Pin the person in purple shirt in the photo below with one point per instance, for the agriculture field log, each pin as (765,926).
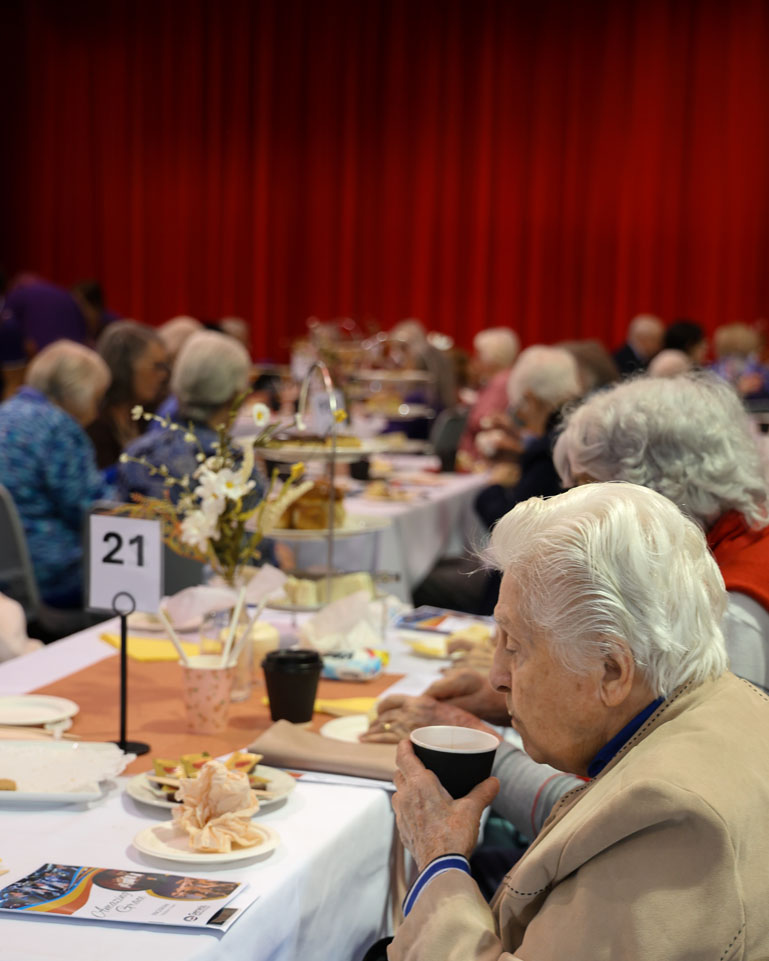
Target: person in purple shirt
(44,313)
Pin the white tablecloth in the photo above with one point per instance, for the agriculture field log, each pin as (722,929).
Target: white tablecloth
(439,522)
(323,893)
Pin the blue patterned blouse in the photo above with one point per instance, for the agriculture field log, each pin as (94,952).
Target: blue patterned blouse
(47,463)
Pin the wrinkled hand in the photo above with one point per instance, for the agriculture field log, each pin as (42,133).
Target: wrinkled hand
(466,652)
(471,691)
(430,822)
(399,715)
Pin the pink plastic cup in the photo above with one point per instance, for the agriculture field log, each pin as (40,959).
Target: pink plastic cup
(207,687)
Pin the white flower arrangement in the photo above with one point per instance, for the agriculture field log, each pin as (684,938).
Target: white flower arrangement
(213,517)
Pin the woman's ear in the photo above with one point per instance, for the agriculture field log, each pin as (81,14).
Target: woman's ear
(619,672)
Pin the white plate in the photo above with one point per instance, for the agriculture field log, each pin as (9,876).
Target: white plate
(58,771)
(27,798)
(346,728)
(281,784)
(352,527)
(166,841)
(19,709)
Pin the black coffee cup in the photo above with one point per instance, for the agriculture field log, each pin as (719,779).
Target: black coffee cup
(460,757)
(292,682)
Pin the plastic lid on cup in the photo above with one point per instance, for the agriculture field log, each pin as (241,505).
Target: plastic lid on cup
(292,661)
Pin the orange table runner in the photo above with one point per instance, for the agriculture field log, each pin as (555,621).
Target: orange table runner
(156,713)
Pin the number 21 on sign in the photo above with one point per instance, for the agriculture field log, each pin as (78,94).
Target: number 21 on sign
(126,560)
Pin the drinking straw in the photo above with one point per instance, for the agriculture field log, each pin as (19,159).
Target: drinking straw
(233,627)
(242,639)
(174,637)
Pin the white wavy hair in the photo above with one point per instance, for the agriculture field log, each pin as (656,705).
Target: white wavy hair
(606,566)
(497,345)
(211,370)
(69,374)
(687,438)
(550,373)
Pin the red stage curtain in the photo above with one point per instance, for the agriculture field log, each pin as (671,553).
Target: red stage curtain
(556,166)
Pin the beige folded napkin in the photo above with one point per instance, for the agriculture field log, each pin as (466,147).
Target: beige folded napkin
(292,746)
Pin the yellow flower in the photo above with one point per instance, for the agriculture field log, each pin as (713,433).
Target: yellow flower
(296,471)
(340,416)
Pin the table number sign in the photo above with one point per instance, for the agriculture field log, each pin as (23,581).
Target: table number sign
(125,569)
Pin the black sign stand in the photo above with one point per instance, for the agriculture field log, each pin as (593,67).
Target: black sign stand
(123,609)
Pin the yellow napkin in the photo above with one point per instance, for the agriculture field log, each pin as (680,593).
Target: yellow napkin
(339,706)
(342,706)
(151,648)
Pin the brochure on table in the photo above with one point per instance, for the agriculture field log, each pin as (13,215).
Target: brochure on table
(125,895)
(438,620)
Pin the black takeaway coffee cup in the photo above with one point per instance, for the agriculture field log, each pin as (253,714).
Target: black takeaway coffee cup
(460,757)
(292,681)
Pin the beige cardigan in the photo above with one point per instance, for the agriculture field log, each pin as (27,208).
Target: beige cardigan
(663,857)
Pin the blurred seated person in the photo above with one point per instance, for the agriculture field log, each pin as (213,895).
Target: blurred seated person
(89,297)
(613,668)
(210,373)
(13,630)
(669,363)
(689,337)
(238,328)
(411,350)
(495,351)
(595,364)
(174,333)
(138,362)
(645,335)
(44,313)
(542,380)
(737,348)
(47,462)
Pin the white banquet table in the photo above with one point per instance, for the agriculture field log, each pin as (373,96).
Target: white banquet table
(322,894)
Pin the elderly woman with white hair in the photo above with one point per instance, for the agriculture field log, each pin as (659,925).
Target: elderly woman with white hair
(48,464)
(612,664)
(210,372)
(541,382)
(495,351)
(689,438)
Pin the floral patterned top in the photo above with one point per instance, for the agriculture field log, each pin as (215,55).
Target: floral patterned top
(47,463)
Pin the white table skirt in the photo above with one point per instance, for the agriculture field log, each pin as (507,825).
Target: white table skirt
(323,891)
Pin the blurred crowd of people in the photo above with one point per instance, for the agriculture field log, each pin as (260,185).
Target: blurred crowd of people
(75,373)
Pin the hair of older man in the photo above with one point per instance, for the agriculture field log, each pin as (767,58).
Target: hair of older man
(687,438)
(174,333)
(211,370)
(69,374)
(549,373)
(497,345)
(121,345)
(609,565)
